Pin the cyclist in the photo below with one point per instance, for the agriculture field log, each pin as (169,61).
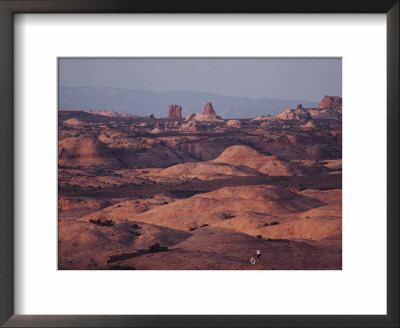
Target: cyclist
(258,254)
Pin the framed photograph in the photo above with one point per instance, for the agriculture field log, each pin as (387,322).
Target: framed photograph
(152,185)
(204,164)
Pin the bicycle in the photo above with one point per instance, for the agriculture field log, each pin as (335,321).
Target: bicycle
(255,260)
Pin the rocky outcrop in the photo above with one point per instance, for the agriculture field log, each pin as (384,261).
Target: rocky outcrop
(191,126)
(209,115)
(201,117)
(292,114)
(234,124)
(74,121)
(155,131)
(190,116)
(299,106)
(174,111)
(310,125)
(309,113)
(209,109)
(331,102)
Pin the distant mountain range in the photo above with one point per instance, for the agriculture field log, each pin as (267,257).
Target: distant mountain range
(144,103)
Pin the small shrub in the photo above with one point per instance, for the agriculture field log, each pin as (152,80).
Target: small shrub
(157,248)
(204,225)
(105,223)
(165,203)
(135,226)
(259,236)
(274,223)
(265,224)
(192,228)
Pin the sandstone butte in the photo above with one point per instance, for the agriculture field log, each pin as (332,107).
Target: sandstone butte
(174,111)
(209,109)
(331,102)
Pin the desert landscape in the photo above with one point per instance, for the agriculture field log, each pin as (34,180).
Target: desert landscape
(200,192)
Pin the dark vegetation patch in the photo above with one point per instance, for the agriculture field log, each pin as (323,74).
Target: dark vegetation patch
(186,193)
(105,223)
(266,224)
(155,248)
(204,225)
(279,240)
(192,228)
(228,216)
(136,226)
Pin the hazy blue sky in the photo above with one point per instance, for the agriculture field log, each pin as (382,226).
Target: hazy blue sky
(305,79)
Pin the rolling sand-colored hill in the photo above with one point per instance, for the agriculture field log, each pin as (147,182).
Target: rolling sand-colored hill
(89,245)
(123,210)
(207,171)
(226,203)
(311,228)
(219,249)
(85,150)
(327,196)
(246,156)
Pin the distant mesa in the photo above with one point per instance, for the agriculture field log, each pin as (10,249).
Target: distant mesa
(175,111)
(209,109)
(331,102)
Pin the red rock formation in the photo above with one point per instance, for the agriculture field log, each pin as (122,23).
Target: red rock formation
(330,102)
(174,111)
(208,109)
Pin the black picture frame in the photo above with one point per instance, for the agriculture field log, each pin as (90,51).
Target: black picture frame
(10,7)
